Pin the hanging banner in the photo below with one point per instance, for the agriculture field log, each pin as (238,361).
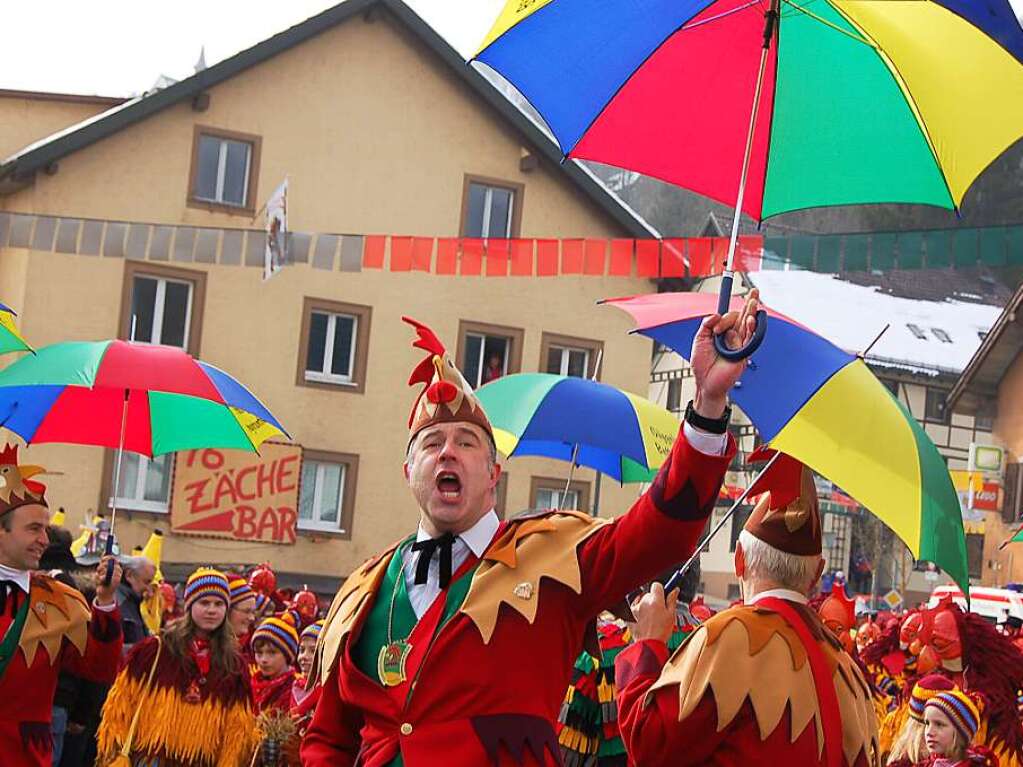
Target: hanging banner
(236,494)
(276,231)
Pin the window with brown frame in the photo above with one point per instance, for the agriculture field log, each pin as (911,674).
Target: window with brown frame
(162,305)
(549,493)
(487,352)
(491,207)
(569,356)
(326,492)
(224,170)
(334,345)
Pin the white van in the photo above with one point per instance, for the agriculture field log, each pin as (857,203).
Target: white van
(993,604)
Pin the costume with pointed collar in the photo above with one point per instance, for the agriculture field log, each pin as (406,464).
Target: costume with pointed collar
(46,631)
(741,691)
(527,602)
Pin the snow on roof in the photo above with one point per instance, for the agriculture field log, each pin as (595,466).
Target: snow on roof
(925,336)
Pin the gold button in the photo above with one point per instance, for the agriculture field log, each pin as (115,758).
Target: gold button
(406,729)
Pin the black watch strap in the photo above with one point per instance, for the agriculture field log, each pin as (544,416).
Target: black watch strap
(711,425)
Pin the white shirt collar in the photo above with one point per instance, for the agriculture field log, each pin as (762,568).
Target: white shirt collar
(477,537)
(786,594)
(21,577)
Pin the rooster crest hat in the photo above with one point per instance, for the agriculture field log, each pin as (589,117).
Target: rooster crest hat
(16,487)
(448,397)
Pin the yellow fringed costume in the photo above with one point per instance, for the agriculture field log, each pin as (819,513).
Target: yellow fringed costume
(183,720)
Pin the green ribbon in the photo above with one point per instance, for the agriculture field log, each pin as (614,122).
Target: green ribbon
(13,636)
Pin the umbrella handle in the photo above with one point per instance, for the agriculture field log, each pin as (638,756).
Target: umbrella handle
(735,355)
(110,565)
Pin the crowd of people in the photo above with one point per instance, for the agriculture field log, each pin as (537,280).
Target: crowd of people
(544,639)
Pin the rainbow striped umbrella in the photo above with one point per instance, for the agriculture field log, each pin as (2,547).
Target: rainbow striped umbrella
(860,101)
(823,406)
(80,392)
(619,434)
(11,339)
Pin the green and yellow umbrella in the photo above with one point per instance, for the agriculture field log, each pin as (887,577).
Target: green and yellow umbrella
(11,339)
(622,435)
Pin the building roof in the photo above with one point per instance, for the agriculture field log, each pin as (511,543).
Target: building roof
(929,337)
(70,98)
(17,171)
(979,382)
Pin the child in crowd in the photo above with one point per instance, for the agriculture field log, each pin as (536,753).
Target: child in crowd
(274,645)
(951,720)
(305,693)
(910,747)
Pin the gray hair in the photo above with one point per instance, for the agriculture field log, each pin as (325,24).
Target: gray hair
(135,564)
(765,562)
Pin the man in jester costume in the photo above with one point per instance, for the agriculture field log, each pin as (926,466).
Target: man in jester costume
(764,682)
(45,626)
(455,646)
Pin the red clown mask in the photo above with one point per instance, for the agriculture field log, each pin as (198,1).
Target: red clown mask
(946,640)
(838,613)
(910,633)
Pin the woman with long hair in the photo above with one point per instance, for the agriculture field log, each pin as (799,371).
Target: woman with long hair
(182,699)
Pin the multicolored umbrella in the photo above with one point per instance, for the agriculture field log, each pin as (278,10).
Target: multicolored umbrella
(619,434)
(822,405)
(862,101)
(772,106)
(78,392)
(11,339)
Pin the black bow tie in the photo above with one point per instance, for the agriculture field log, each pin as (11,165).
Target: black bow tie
(426,550)
(11,589)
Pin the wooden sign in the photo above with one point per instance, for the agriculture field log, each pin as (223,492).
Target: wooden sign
(236,494)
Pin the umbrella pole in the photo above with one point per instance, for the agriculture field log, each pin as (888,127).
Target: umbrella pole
(117,486)
(676,579)
(728,275)
(571,471)
(596,494)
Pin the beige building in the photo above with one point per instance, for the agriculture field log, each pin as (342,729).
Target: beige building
(991,387)
(935,325)
(145,214)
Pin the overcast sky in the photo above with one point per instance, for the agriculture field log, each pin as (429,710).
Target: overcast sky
(119,47)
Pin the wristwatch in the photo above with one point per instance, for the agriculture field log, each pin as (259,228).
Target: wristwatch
(711,425)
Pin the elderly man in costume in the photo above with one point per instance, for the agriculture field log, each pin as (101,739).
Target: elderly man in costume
(455,646)
(762,683)
(46,626)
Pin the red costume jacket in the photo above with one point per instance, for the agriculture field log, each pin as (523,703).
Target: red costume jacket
(60,633)
(740,692)
(485,680)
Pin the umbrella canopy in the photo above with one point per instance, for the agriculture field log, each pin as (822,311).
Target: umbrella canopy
(75,393)
(619,434)
(862,101)
(11,339)
(823,406)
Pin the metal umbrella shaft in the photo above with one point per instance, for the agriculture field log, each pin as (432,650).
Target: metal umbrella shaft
(117,487)
(727,277)
(676,579)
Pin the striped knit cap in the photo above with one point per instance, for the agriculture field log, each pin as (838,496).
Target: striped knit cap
(960,710)
(206,582)
(924,690)
(313,630)
(240,591)
(281,633)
